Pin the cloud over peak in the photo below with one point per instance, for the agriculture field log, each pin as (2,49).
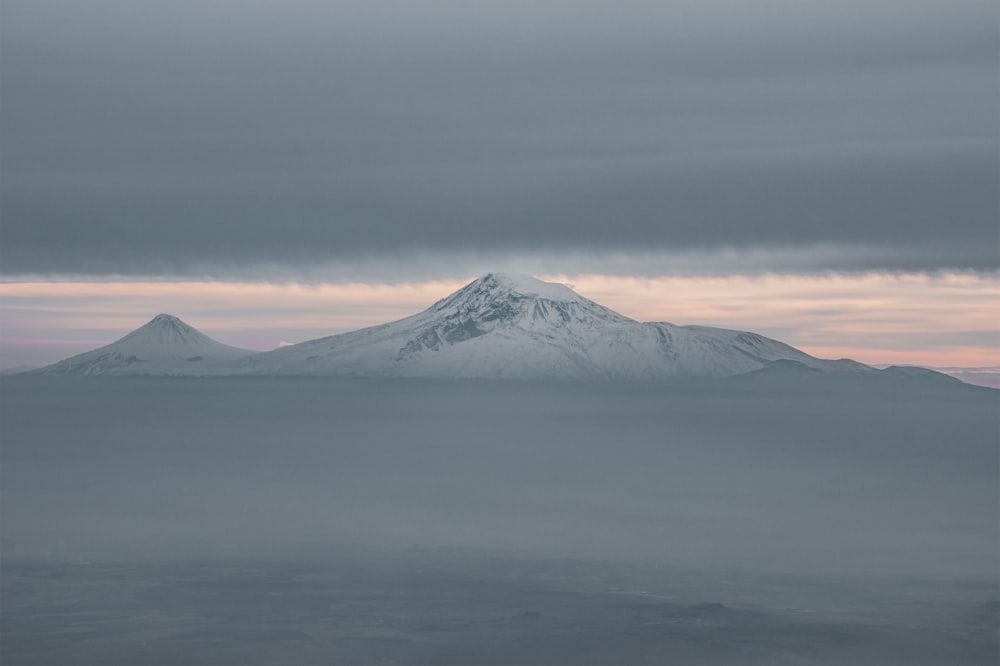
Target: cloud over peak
(164,138)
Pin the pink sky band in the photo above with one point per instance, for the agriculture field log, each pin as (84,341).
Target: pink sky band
(941,320)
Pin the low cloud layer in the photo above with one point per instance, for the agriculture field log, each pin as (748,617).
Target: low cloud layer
(222,139)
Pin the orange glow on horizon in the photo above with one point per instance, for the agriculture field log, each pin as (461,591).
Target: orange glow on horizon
(942,320)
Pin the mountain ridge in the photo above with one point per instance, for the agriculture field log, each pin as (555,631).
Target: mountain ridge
(499,326)
(517,327)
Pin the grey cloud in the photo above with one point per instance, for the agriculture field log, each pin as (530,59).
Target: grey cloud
(174,139)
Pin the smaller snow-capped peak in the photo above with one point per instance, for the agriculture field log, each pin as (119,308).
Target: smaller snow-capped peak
(164,345)
(164,319)
(165,329)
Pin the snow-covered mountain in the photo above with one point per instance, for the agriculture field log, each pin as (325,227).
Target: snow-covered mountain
(164,346)
(518,327)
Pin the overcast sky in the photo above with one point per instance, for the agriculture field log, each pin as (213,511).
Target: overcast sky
(261,144)
(312,139)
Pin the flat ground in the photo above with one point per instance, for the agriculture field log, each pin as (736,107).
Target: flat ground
(365,606)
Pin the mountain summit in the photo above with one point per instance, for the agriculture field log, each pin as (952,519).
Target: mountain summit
(500,326)
(518,327)
(164,346)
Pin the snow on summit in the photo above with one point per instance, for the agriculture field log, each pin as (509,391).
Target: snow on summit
(518,327)
(499,326)
(164,346)
(526,285)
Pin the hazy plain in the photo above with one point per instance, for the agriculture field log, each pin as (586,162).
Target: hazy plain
(261,520)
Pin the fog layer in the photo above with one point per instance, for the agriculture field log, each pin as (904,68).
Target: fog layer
(856,478)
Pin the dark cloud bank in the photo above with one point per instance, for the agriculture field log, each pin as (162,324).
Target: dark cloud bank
(187,138)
